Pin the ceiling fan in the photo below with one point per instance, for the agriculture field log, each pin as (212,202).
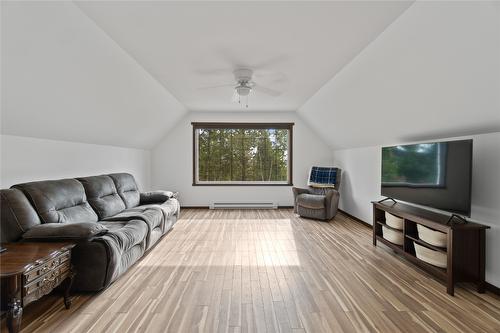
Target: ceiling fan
(245,86)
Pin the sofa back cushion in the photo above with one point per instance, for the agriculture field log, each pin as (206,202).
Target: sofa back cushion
(102,195)
(59,201)
(127,188)
(16,215)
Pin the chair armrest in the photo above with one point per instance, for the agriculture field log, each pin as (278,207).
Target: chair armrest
(65,231)
(296,191)
(152,197)
(332,197)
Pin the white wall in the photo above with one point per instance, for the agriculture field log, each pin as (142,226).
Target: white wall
(433,73)
(64,78)
(172,161)
(26,159)
(361,185)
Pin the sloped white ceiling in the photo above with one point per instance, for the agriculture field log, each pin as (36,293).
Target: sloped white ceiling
(434,73)
(63,78)
(295,46)
(107,72)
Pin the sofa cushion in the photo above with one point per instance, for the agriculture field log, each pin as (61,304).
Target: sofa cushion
(125,244)
(123,235)
(59,201)
(152,216)
(74,231)
(102,195)
(127,188)
(312,201)
(169,207)
(155,236)
(16,215)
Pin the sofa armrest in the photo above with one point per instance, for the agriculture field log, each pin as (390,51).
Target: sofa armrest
(65,231)
(153,197)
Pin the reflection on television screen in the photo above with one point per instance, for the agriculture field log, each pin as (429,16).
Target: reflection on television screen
(420,165)
(436,174)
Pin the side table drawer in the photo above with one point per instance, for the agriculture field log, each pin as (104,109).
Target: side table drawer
(46,283)
(31,270)
(45,267)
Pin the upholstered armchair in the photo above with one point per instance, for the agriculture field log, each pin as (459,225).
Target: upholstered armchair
(321,199)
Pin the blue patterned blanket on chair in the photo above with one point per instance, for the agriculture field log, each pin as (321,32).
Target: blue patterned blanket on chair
(322,177)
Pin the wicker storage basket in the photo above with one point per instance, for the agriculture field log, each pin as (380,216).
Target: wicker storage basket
(393,221)
(392,236)
(430,236)
(430,256)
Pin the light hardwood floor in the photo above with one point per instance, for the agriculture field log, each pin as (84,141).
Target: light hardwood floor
(269,271)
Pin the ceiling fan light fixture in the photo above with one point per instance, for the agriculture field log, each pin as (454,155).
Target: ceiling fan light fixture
(245,86)
(243,90)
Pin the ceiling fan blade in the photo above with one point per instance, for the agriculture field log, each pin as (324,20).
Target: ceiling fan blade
(271,62)
(267,91)
(271,77)
(217,86)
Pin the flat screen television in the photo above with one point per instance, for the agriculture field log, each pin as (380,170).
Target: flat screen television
(435,174)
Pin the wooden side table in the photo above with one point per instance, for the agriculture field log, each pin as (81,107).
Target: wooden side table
(28,272)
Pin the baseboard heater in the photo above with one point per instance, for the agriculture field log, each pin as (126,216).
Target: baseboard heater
(243,205)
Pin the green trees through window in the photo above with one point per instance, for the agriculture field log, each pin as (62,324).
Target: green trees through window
(242,153)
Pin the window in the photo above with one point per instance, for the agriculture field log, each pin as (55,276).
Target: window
(242,153)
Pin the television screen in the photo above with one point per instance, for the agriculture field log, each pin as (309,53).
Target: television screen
(436,174)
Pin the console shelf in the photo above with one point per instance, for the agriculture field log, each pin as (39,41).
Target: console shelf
(389,227)
(465,251)
(430,246)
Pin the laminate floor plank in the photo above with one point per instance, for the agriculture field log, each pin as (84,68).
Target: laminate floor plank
(269,271)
